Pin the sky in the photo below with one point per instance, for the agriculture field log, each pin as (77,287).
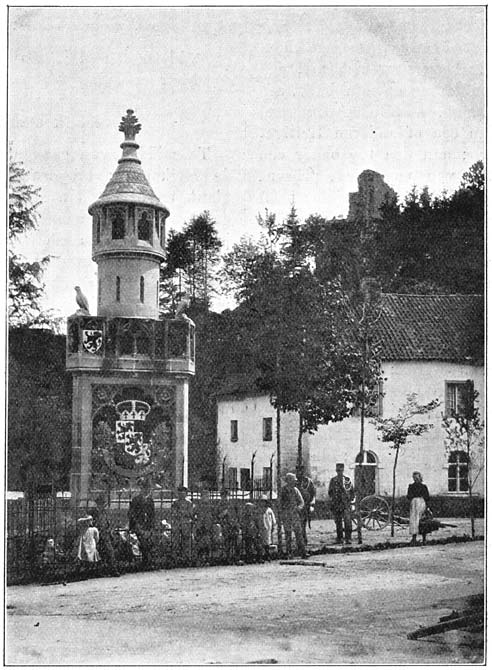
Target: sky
(242,109)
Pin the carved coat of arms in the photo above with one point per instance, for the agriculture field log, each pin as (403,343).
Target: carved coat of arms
(132,414)
(92,340)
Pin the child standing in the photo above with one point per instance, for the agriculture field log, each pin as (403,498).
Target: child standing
(268,526)
(89,537)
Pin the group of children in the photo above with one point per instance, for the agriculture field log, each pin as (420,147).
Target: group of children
(207,531)
(222,529)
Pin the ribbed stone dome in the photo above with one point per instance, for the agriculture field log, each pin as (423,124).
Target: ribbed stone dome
(129,183)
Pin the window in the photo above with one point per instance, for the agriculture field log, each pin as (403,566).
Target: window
(366,474)
(232,479)
(367,458)
(98,228)
(163,231)
(131,217)
(458,395)
(245,479)
(142,289)
(234,430)
(267,478)
(458,472)
(118,289)
(117,224)
(144,227)
(267,430)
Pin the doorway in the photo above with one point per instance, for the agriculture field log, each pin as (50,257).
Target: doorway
(365,476)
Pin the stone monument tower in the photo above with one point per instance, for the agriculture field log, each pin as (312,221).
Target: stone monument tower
(130,368)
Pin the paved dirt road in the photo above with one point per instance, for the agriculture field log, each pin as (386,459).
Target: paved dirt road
(357,608)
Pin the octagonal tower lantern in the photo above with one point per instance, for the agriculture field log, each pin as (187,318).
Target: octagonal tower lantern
(130,368)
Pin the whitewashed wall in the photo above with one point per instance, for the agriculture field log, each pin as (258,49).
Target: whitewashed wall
(249,413)
(339,442)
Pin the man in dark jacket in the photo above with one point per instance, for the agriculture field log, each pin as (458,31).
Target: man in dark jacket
(182,517)
(308,491)
(341,494)
(291,506)
(141,518)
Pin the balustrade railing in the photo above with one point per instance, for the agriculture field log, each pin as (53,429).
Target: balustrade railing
(110,339)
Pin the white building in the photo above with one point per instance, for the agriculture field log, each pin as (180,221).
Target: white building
(431,345)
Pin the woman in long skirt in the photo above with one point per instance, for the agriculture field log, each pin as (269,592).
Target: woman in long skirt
(418,494)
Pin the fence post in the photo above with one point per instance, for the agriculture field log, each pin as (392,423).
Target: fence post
(252,474)
(30,529)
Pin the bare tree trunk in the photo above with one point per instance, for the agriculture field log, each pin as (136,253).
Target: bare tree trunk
(299,443)
(358,492)
(392,509)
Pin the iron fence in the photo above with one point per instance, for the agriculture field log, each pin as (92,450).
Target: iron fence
(43,535)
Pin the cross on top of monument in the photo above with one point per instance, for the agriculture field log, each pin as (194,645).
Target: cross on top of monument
(129,125)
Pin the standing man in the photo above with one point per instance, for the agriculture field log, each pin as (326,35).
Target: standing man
(105,527)
(205,527)
(308,492)
(291,506)
(181,523)
(228,518)
(141,517)
(341,494)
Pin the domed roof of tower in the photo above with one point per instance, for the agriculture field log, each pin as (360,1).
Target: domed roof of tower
(129,183)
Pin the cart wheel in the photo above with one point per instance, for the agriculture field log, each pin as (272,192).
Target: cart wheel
(374,512)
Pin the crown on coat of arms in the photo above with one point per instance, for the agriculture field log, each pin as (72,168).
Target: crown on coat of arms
(132,410)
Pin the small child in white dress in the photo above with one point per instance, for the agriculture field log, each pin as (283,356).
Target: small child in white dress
(268,527)
(88,539)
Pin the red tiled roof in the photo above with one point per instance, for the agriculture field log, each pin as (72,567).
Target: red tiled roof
(431,327)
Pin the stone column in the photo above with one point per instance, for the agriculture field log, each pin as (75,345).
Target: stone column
(181,464)
(76,440)
(81,440)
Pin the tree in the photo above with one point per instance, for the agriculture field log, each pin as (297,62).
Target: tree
(26,287)
(192,260)
(335,246)
(241,264)
(172,283)
(366,376)
(423,244)
(293,246)
(205,246)
(464,433)
(293,327)
(397,430)
(431,244)
(40,414)
(474,178)
(238,263)
(300,352)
